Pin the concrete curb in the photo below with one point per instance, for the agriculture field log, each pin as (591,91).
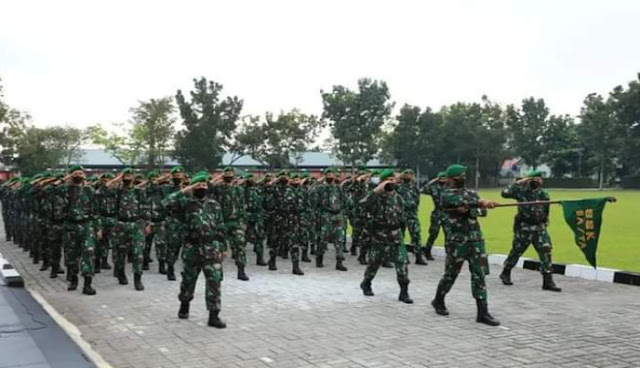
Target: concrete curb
(10,275)
(571,270)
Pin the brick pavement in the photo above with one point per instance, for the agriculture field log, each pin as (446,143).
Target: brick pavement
(322,320)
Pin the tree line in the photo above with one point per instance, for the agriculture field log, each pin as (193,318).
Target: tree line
(199,127)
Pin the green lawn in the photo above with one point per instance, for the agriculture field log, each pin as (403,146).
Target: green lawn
(619,245)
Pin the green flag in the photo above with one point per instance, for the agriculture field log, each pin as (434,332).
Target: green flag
(585,218)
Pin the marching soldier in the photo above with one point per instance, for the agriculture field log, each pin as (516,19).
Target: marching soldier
(255,217)
(411,195)
(330,203)
(174,223)
(434,188)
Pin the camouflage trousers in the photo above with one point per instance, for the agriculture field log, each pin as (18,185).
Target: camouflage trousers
(158,237)
(304,231)
(128,237)
(413,225)
(474,253)
(208,259)
(104,244)
(174,237)
(282,227)
(235,231)
(541,243)
(79,248)
(54,238)
(40,235)
(255,232)
(357,226)
(434,228)
(387,245)
(331,231)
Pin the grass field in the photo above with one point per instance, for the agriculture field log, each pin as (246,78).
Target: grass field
(619,245)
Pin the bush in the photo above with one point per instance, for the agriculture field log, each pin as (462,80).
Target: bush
(632,182)
(570,183)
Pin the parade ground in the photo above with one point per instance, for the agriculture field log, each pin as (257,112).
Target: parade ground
(323,320)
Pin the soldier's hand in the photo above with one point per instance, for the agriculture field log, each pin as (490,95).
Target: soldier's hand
(147,229)
(462,209)
(523,181)
(488,203)
(188,189)
(380,188)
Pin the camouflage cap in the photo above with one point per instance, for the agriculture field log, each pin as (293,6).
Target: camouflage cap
(455,170)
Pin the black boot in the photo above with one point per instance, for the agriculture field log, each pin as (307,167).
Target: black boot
(36,257)
(505,276)
(87,289)
(319,258)
(183,313)
(73,283)
(272,262)
(410,249)
(548,283)
(427,252)
(296,269)
(260,259)
(145,264)
(54,271)
(45,265)
(404,293)
(161,269)
(362,259)
(215,321)
(387,264)
(438,303)
(241,275)
(340,266)
(312,249)
(419,259)
(137,281)
(305,256)
(96,265)
(483,314)
(366,288)
(105,263)
(354,250)
(122,277)
(171,276)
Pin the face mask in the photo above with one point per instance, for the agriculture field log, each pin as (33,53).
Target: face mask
(126,182)
(390,187)
(78,179)
(406,180)
(375,180)
(284,180)
(227,179)
(459,183)
(249,183)
(329,180)
(534,184)
(441,182)
(200,193)
(177,181)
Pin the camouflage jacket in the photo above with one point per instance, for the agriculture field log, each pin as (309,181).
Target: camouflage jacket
(461,227)
(253,199)
(129,203)
(530,217)
(105,201)
(411,196)
(79,203)
(231,199)
(284,199)
(329,198)
(203,219)
(55,203)
(435,190)
(153,209)
(386,210)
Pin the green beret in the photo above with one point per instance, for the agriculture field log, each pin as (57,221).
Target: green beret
(375,172)
(152,174)
(329,170)
(304,174)
(283,172)
(199,179)
(58,175)
(202,172)
(107,175)
(455,170)
(442,174)
(293,176)
(139,176)
(36,177)
(247,176)
(92,178)
(127,170)
(407,171)
(535,174)
(14,179)
(177,169)
(74,168)
(386,174)
(228,168)
(47,174)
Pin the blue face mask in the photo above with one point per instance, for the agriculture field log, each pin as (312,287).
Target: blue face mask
(375,180)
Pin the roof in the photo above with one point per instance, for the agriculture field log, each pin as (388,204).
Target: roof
(102,158)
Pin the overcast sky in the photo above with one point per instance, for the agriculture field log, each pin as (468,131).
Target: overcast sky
(81,63)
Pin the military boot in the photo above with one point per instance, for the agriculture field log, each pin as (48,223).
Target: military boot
(419,259)
(272,262)
(296,269)
(105,263)
(404,293)
(427,252)
(312,249)
(171,276)
(362,259)
(87,289)
(260,259)
(319,258)
(183,312)
(36,257)
(305,256)
(45,265)
(366,287)
(241,274)
(438,303)
(340,266)
(354,249)
(145,264)
(505,276)
(73,283)
(161,268)
(122,277)
(96,265)
(54,271)
(548,283)
(137,281)
(215,321)
(483,314)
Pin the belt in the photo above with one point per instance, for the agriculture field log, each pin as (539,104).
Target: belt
(122,219)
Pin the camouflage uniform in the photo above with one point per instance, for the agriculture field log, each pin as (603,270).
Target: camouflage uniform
(255,221)
(411,196)
(105,202)
(204,245)
(330,203)
(55,207)
(464,241)
(231,199)
(128,233)
(282,201)
(79,231)
(155,214)
(435,190)
(174,231)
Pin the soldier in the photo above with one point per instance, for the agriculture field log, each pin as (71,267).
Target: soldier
(155,214)
(106,207)
(79,236)
(434,188)
(129,231)
(174,223)
(231,199)
(464,242)
(354,190)
(255,217)
(387,209)
(411,195)
(530,227)
(330,203)
(55,206)
(6,192)
(306,216)
(204,248)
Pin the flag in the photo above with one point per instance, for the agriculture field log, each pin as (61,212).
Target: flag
(585,219)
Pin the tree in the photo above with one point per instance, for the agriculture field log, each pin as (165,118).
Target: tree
(152,122)
(626,109)
(128,149)
(209,123)
(526,127)
(13,124)
(596,133)
(490,141)
(357,119)
(39,149)
(277,141)
(563,153)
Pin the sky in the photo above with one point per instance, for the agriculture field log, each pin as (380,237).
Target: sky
(80,63)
